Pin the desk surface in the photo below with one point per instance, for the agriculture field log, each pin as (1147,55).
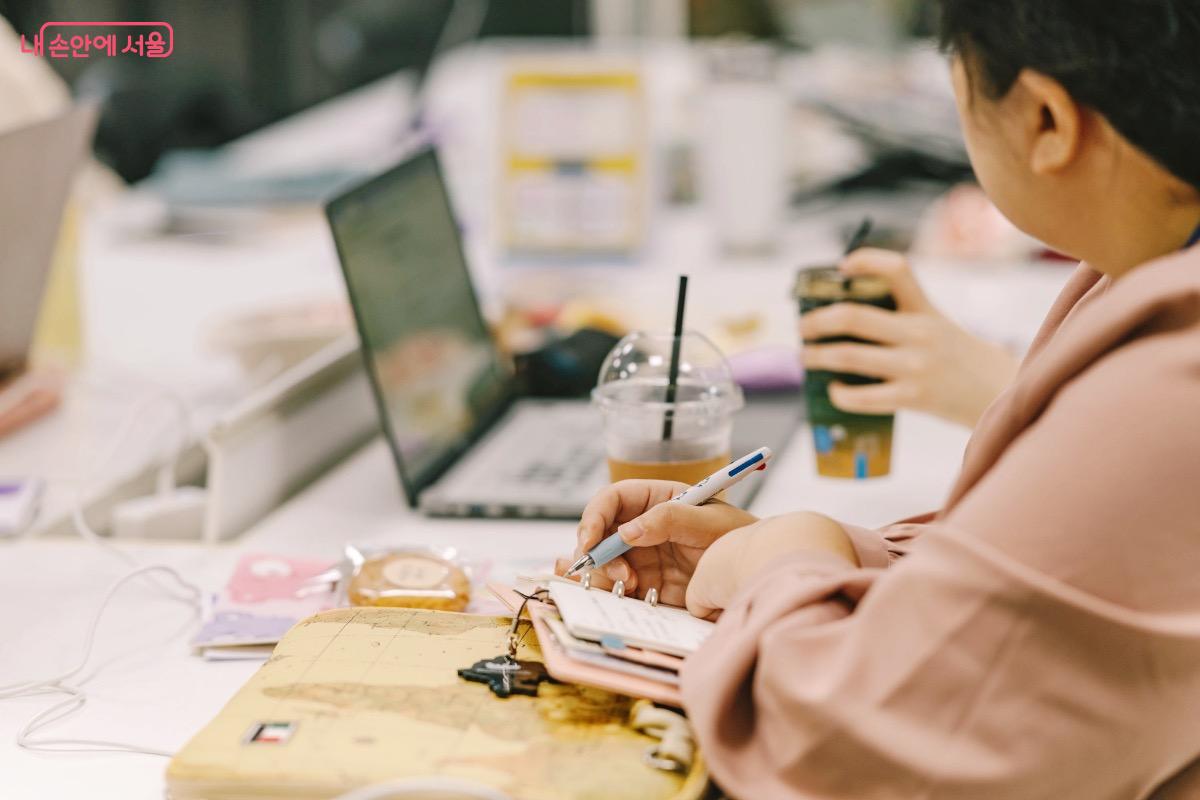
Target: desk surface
(149,690)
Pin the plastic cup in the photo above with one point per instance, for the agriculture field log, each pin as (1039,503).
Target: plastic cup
(632,395)
(847,445)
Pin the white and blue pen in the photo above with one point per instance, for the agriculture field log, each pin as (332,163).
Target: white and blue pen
(702,492)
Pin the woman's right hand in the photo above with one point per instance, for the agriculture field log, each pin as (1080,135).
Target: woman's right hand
(667,538)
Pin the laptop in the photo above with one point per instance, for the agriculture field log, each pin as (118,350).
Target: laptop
(464,442)
(37,165)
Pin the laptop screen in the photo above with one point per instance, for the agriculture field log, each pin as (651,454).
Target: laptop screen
(438,378)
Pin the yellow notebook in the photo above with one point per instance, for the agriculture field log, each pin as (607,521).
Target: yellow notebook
(354,697)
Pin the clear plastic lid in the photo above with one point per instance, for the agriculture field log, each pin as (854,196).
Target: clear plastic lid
(636,376)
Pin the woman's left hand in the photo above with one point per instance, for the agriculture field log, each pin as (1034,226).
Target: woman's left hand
(925,361)
(735,559)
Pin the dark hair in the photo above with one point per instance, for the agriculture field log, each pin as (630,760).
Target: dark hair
(1136,62)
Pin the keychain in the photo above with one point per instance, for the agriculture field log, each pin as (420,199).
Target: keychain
(504,674)
(676,748)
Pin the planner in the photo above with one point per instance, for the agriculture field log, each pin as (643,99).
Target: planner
(362,696)
(595,638)
(600,616)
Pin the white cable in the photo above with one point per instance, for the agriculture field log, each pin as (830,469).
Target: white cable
(166,475)
(168,459)
(67,707)
(183,412)
(192,595)
(76,696)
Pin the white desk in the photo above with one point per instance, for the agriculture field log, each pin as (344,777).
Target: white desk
(148,689)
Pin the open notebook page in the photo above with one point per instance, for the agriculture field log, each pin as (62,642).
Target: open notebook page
(593,614)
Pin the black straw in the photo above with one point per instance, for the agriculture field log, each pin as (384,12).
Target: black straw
(857,240)
(673,376)
(859,237)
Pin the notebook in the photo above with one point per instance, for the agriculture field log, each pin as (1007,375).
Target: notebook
(595,638)
(572,660)
(266,595)
(601,616)
(361,696)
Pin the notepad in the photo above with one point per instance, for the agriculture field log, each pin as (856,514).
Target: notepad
(594,615)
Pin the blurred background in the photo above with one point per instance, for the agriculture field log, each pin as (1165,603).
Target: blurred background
(594,150)
(240,65)
(179,361)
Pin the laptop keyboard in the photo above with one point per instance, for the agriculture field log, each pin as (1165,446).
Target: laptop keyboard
(543,449)
(569,467)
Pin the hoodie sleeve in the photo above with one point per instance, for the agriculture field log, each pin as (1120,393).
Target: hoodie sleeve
(1038,641)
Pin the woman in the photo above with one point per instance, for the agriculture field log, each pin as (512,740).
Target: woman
(1039,636)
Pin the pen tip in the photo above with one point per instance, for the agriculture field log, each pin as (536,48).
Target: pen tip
(578,565)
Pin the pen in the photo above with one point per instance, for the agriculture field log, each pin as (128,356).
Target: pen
(702,492)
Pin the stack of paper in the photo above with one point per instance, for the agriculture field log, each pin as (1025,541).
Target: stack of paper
(264,598)
(623,644)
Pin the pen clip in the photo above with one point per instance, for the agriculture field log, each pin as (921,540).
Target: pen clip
(699,485)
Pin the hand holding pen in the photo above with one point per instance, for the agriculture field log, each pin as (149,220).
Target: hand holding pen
(667,538)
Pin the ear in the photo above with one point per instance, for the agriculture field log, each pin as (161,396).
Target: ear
(1055,122)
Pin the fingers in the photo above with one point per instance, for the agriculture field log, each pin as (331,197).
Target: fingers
(875,398)
(698,607)
(858,320)
(858,359)
(895,268)
(600,514)
(606,576)
(617,570)
(693,526)
(699,599)
(618,503)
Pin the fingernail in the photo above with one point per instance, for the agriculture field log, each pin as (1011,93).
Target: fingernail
(631,531)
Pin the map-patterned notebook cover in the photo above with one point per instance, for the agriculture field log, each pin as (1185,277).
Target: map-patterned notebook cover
(359,696)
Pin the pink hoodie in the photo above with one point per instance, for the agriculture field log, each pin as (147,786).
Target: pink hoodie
(1039,637)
